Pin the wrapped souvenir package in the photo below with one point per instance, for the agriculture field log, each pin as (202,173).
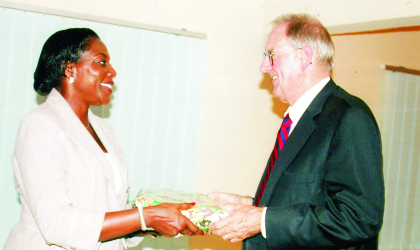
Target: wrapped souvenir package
(202,214)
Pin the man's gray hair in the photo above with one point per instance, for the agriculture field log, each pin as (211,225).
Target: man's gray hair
(306,30)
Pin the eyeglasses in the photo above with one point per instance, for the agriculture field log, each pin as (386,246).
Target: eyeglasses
(269,53)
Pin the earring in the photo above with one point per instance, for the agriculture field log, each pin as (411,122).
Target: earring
(71,80)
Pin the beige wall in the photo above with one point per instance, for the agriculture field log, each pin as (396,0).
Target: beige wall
(240,116)
(359,57)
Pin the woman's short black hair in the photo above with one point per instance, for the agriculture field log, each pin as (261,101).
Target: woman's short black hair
(62,47)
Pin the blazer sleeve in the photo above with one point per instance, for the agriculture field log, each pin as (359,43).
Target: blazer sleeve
(41,166)
(353,204)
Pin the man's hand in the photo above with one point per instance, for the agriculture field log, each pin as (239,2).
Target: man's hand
(230,198)
(167,219)
(244,221)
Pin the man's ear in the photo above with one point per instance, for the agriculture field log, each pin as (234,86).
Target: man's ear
(306,57)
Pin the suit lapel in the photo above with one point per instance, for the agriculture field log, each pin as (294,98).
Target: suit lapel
(292,147)
(297,140)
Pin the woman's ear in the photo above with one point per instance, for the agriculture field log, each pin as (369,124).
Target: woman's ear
(67,79)
(68,71)
(306,57)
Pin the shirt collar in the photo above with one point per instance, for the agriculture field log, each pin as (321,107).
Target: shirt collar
(296,111)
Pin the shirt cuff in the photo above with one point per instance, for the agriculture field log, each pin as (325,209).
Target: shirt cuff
(263,232)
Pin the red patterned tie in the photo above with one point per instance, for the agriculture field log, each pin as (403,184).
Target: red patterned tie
(281,139)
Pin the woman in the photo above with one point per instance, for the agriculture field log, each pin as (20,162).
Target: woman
(70,172)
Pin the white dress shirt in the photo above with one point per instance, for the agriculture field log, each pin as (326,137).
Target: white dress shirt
(295,113)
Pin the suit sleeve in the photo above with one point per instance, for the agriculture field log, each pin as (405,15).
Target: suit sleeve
(41,169)
(352,208)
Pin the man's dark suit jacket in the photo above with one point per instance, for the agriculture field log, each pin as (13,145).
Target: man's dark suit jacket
(326,190)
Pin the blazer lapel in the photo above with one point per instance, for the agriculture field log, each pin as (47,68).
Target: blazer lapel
(79,134)
(110,143)
(297,140)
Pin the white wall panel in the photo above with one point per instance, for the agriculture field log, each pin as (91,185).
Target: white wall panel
(401,149)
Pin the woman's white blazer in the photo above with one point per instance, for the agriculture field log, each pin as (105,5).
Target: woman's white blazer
(64,181)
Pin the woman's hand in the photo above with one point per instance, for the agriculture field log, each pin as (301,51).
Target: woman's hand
(166,219)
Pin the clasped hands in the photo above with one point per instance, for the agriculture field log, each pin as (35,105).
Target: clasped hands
(244,220)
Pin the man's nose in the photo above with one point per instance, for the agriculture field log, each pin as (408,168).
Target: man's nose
(265,65)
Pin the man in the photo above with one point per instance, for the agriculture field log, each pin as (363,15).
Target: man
(323,186)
